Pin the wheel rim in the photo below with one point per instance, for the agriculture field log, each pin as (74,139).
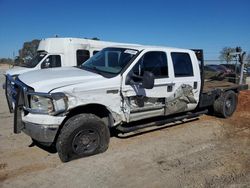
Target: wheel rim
(229,105)
(85,141)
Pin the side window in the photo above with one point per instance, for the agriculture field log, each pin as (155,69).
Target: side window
(81,56)
(52,61)
(182,64)
(94,52)
(155,62)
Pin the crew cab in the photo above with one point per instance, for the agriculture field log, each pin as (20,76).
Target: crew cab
(74,108)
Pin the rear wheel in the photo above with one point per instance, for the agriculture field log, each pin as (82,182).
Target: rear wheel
(226,104)
(82,135)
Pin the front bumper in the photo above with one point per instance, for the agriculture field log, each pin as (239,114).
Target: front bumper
(42,128)
(42,133)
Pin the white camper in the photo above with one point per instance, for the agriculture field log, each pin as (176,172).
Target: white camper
(61,52)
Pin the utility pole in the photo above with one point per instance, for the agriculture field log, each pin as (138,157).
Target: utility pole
(240,56)
(241,60)
(13,59)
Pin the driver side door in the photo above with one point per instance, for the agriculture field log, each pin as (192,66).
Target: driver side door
(138,102)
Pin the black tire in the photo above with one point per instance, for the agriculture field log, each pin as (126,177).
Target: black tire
(82,135)
(226,104)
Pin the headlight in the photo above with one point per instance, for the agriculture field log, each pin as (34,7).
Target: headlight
(50,104)
(41,104)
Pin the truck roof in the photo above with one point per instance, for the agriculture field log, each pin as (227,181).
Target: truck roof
(149,47)
(80,40)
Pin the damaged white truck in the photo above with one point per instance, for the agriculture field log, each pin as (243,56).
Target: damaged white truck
(75,108)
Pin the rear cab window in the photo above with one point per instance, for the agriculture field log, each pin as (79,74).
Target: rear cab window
(182,64)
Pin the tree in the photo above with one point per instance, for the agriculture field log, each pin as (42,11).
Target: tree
(29,50)
(225,54)
(6,61)
(18,61)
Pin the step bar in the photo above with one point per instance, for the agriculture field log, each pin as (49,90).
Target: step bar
(124,128)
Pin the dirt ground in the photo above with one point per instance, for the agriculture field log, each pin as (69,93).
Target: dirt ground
(208,152)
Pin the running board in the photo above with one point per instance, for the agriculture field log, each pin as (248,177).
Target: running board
(125,129)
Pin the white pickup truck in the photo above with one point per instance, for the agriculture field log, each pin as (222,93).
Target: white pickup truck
(74,108)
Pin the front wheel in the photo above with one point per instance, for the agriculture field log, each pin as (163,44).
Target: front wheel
(226,104)
(82,135)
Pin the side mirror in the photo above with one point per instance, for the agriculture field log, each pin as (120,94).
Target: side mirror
(148,80)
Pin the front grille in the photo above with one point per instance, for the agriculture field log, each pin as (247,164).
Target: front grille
(11,93)
(17,97)
(17,93)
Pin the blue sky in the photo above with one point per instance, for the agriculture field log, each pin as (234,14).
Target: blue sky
(210,25)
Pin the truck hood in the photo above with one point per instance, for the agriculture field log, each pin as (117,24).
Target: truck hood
(48,79)
(18,70)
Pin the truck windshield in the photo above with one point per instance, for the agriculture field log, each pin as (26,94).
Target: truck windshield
(109,60)
(35,60)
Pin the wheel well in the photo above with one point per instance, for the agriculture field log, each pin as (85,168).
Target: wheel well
(96,109)
(223,92)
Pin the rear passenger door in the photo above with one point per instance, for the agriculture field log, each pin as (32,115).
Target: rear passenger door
(186,79)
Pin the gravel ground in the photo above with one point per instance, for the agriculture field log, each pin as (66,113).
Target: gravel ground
(207,152)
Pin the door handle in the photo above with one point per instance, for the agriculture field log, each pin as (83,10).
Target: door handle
(195,85)
(165,84)
(170,87)
(170,84)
